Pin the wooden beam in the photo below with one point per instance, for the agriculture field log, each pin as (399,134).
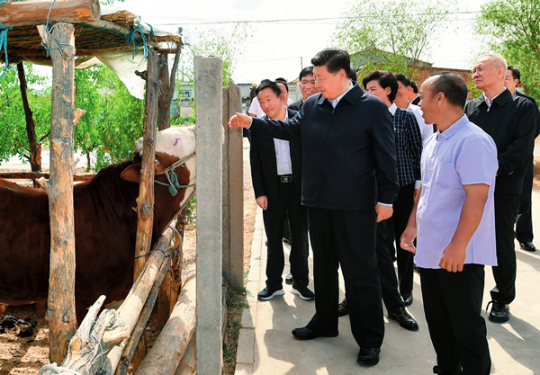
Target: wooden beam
(61,302)
(35,175)
(35,12)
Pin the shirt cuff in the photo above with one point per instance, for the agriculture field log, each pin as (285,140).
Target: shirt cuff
(385,204)
(417,184)
(250,123)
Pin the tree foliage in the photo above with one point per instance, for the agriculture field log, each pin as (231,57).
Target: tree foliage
(513,29)
(394,35)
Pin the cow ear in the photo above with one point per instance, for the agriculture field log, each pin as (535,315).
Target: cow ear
(132,173)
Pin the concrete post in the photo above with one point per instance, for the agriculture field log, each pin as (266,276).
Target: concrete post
(236,193)
(225,175)
(208,82)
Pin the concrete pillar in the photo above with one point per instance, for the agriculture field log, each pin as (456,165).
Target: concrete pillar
(208,91)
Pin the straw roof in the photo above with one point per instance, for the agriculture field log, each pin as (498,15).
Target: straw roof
(90,38)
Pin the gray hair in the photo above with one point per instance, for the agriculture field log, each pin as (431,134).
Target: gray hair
(498,59)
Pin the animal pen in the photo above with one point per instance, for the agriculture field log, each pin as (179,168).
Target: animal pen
(65,34)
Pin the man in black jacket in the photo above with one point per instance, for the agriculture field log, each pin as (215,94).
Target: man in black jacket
(349,181)
(524,226)
(511,121)
(307,87)
(276,167)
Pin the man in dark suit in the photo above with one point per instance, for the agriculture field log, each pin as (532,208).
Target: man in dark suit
(511,121)
(349,181)
(524,226)
(414,98)
(307,87)
(276,167)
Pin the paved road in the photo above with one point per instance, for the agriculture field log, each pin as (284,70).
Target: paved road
(266,346)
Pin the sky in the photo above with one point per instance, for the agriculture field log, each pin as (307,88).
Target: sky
(280,49)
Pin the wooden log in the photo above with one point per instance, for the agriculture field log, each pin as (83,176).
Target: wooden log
(137,297)
(138,331)
(168,85)
(145,201)
(164,301)
(35,12)
(35,175)
(172,342)
(187,364)
(61,302)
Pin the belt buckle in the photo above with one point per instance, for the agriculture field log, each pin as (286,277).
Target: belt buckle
(286,179)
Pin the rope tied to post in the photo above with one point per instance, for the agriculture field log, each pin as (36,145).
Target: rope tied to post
(3,43)
(48,30)
(131,39)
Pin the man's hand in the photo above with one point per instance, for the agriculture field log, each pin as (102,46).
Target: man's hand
(453,258)
(383,212)
(407,239)
(262,201)
(240,121)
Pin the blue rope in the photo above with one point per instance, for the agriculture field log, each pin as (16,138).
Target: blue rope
(131,39)
(3,44)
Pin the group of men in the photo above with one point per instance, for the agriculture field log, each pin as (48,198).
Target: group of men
(330,160)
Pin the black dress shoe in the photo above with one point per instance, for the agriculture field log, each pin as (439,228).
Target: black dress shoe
(267,294)
(404,319)
(407,300)
(289,279)
(368,356)
(305,333)
(342,308)
(527,246)
(500,312)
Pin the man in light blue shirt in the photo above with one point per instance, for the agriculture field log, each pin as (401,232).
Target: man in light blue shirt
(454,221)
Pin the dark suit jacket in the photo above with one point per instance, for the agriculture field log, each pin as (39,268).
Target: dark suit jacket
(343,150)
(416,100)
(511,122)
(263,162)
(518,93)
(296,106)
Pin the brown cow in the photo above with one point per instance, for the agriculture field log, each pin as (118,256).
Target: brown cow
(105,227)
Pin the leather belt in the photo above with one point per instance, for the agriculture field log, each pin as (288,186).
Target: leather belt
(286,179)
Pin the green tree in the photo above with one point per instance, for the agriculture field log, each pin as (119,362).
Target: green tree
(512,28)
(394,35)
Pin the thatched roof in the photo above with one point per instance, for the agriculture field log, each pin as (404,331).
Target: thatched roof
(109,33)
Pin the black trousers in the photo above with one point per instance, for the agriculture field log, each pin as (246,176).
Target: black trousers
(387,274)
(524,226)
(506,209)
(453,304)
(274,219)
(396,226)
(346,238)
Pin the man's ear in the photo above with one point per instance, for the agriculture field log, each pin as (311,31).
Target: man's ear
(132,173)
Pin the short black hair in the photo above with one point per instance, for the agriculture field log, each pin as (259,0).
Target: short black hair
(265,84)
(414,87)
(385,79)
(515,73)
(335,59)
(352,74)
(451,85)
(284,81)
(403,79)
(305,72)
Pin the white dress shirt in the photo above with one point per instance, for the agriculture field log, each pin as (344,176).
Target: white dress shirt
(283,153)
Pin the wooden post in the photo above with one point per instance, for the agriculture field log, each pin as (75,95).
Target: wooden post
(36,12)
(235,193)
(168,85)
(208,82)
(61,302)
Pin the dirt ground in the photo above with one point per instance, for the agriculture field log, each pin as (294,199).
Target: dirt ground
(25,356)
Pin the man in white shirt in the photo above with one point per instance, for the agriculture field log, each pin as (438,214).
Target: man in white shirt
(402,101)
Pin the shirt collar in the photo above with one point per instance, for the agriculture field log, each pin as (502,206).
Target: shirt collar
(490,102)
(393,109)
(336,100)
(454,128)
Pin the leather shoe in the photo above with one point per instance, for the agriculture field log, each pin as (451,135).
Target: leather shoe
(407,301)
(527,246)
(500,312)
(404,319)
(305,333)
(289,279)
(368,356)
(342,308)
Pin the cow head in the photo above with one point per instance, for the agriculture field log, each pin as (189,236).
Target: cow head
(172,145)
